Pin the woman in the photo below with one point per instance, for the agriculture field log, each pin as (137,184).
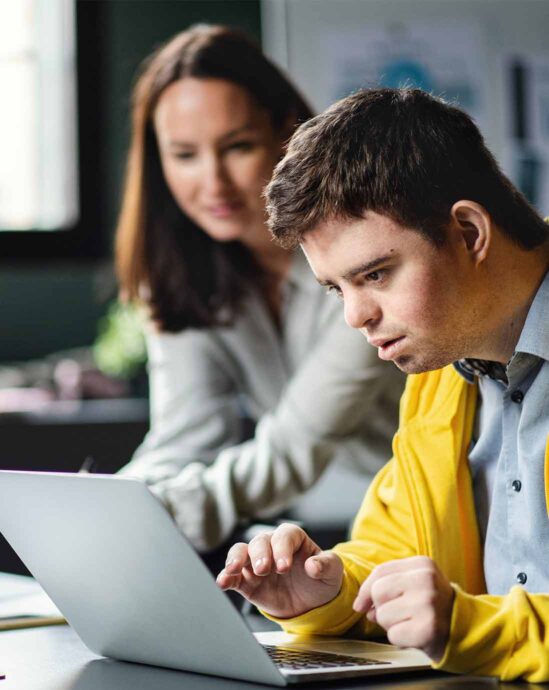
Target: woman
(239,329)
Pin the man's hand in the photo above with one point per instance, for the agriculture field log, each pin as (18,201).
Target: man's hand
(283,572)
(412,600)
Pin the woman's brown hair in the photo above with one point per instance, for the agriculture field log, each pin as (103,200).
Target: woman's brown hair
(186,278)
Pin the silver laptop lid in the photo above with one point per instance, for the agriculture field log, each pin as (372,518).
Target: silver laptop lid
(129,583)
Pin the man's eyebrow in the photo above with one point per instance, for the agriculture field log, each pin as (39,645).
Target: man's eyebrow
(367,267)
(363,268)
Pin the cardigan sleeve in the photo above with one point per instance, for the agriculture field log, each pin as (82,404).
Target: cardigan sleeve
(504,636)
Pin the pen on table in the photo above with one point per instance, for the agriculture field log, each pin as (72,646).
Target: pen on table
(88,466)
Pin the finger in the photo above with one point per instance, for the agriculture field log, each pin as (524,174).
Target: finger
(286,541)
(260,553)
(394,612)
(379,588)
(403,634)
(237,558)
(402,565)
(364,600)
(245,582)
(420,585)
(423,629)
(227,581)
(326,566)
(414,632)
(389,587)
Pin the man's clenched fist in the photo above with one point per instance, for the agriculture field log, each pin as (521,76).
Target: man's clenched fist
(412,600)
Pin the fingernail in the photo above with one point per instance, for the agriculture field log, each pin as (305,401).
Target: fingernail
(319,564)
(229,562)
(281,564)
(259,563)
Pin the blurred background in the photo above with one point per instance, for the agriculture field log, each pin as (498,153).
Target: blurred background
(72,360)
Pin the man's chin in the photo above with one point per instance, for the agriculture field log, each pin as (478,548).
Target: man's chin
(413,365)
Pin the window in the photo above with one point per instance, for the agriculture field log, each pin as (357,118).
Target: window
(38,166)
(50,165)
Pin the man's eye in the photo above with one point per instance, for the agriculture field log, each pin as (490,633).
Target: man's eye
(376,276)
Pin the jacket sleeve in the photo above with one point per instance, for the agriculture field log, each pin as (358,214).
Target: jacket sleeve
(504,636)
(210,481)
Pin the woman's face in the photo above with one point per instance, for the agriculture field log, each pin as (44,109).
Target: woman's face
(218,149)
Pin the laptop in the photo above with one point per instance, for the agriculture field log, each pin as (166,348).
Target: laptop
(109,555)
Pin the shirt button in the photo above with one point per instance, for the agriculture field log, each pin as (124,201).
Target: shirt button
(517,396)
(521,578)
(517,485)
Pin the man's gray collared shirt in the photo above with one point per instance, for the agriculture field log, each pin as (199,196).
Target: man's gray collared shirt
(508,459)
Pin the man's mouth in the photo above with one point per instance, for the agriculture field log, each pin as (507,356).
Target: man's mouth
(387,348)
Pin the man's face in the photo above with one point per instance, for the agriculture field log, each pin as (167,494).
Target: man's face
(412,300)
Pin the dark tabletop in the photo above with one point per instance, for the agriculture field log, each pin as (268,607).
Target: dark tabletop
(54,658)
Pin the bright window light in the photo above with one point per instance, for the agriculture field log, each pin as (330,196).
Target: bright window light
(38,132)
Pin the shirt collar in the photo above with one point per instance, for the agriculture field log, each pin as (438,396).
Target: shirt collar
(534,338)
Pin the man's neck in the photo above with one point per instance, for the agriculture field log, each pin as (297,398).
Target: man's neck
(518,278)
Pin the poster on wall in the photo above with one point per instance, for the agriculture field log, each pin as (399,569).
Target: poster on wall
(441,57)
(526,158)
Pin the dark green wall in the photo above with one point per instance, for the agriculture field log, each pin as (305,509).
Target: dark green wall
(47,308)
(51,306)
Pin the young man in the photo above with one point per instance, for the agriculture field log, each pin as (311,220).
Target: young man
(442,264)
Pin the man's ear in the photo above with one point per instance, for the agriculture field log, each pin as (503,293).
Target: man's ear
(475,227)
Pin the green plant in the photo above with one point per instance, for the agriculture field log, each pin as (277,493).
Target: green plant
(119,349)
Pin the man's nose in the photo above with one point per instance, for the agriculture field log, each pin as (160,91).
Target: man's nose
(360,310)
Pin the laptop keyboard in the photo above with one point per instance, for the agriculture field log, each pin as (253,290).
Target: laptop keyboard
(298,660)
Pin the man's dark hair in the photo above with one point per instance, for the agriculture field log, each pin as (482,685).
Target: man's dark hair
(398,152)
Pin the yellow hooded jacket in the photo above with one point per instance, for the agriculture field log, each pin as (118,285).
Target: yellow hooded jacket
(422,503)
